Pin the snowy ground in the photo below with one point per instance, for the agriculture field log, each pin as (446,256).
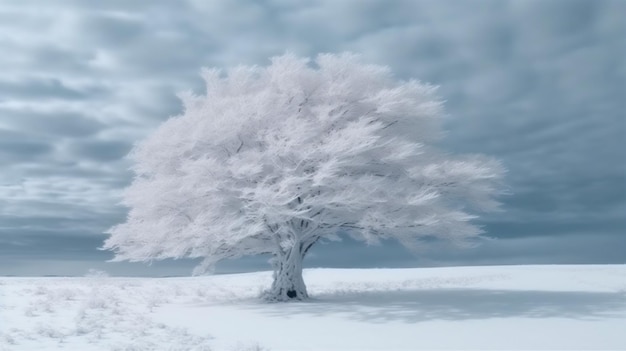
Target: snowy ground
(507,307)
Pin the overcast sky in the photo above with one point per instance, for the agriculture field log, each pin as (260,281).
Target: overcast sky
(540,85)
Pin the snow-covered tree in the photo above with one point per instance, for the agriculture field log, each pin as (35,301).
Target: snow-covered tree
(271,160)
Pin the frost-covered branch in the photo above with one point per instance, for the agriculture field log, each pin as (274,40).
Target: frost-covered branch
(273,159)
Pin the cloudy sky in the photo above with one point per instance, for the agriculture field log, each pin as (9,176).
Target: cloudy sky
(539,84)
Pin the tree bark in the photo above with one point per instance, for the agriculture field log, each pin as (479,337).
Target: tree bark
(288,284)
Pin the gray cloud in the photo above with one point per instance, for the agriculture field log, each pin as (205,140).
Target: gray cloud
(23,148)
(59,124)
(46,88)
(15,148)
(102,151)
(538,84)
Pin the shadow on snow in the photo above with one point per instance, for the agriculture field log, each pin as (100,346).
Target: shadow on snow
(455,304)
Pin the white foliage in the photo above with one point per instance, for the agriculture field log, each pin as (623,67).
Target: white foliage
(272,159)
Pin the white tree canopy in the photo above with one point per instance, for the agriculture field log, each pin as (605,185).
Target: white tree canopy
(271,159)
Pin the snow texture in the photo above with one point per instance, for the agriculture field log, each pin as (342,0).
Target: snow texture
(463,308)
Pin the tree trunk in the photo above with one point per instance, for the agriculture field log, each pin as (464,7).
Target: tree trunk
(288,284)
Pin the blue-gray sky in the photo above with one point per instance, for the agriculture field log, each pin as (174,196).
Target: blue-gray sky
(539,84)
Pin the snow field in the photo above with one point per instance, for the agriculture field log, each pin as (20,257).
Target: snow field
(500,307)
